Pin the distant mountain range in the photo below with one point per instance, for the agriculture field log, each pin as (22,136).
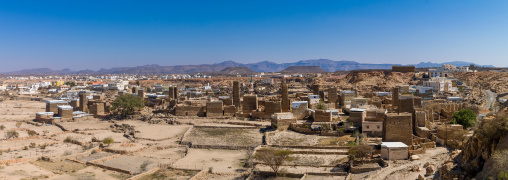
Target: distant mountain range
(264,66)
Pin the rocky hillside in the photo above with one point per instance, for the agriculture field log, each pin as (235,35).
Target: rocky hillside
(375,80)
(485,154)
(495,81)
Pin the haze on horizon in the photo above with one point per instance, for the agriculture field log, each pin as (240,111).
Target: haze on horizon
(102,34)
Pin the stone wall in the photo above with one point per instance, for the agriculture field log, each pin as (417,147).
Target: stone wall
(406,105)
(398,128)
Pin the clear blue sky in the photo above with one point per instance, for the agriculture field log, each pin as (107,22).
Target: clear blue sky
(102,34)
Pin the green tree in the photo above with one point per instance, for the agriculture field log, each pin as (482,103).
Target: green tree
(108,141)
(127,104)
(465,117)
(359,151)
(274,158)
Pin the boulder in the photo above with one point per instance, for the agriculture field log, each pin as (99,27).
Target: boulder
(430,170)
(414,157)
(420,177)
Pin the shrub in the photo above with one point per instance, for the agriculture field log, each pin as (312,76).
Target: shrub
(2,127)
(18,124)
(359,151)
(11,134)
(32,133)
(108,141)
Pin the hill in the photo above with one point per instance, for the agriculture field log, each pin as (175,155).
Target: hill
(237,70)
(303,69)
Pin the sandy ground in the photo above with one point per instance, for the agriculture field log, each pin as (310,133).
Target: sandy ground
(82,138)
(11,110)
(86,125)
(156,131)
(128,147)
(101,134)
(4,145)
(172,174)
(23,170)
(226,161)
(225,136)
(91,172)
(132,163)
(170,154)
(52,151)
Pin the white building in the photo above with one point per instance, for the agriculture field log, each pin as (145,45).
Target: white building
(394,151)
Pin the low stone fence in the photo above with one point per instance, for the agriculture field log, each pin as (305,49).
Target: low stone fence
(313,152)
(227,127)
(185,135)
(201,146)
(110,168)
(200,175)
(144,173)
(311,147)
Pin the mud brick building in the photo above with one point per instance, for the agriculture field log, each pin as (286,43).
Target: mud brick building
(97,109)
(74,104)
(65,111)
(52,105)
(141,93)
(226,101)
(403,68)
(322,116)
(229,110)
(236,93)
(135,89)
(249,103)
(316,89)
(299,109)
(83,101)
(214,109)
(395,96)
(272,107)
(332,95)
(357,116)
(285,104)
(190,110)
(398,128)
(406,104)
(43,116)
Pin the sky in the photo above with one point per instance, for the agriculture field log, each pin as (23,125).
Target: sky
(103,34)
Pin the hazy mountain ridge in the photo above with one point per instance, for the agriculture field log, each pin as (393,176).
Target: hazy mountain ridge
(264,66)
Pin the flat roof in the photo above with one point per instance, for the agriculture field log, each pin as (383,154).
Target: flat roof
(394,145)
(357,109)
